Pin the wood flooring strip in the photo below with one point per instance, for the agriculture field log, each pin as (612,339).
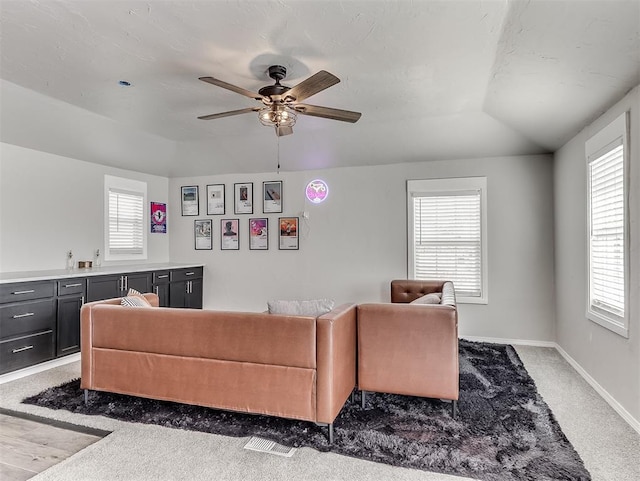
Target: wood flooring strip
(53,422)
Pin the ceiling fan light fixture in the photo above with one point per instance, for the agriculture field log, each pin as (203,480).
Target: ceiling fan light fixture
(277,116)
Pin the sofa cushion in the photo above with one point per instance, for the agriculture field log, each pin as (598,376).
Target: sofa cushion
(433,298)
(311,308)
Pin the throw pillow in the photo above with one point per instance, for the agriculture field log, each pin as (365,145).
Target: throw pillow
(135,299)
(432,298)
(311,308)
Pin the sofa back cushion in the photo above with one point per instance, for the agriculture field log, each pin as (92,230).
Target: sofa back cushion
(231,336)
(312,307)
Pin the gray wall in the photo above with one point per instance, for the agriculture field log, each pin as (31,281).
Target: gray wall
(611,360)
(51,204)
(355,243)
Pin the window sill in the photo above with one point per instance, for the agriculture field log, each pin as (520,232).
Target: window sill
(610,324)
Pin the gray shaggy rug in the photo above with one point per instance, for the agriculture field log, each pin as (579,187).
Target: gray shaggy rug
(504,430)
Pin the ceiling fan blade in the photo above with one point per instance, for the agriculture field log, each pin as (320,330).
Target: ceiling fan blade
(280,131)
(327,113)
(229,114)
(314,84)
(233,88)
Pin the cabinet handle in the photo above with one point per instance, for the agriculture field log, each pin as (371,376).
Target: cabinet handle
(23,292)
(26,314)
(25,348)
(163,277)
(126,283)
(155,289)
(189,273)
(72,285)
(82,301)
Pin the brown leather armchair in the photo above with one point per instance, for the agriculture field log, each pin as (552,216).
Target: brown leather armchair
(408,346)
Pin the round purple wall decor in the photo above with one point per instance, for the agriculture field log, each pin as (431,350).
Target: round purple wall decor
(317,191)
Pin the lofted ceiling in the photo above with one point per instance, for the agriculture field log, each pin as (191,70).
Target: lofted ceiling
(433,79)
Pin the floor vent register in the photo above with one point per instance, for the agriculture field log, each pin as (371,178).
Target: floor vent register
(271,447)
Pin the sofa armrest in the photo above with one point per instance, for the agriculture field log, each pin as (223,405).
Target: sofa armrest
(408,349)
(336,360)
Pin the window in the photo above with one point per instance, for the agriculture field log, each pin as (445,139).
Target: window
(607,218)
(125,233)
(447,234)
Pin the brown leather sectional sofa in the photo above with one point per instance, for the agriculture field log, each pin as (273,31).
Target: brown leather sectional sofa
(287,366)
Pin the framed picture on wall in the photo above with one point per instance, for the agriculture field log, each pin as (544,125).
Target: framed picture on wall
(189,200)
(215,199)
(288,233)
(259,234)
(243,198)
(229,234)
(272,197)
(202,234)
(158,218)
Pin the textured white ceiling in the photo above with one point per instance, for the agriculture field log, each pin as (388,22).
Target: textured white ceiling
(433,79)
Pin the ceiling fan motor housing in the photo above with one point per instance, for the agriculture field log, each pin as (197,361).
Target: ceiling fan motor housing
(277,73)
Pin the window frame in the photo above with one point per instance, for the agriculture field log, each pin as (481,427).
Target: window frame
(135,187)
(445,186)
(605,140)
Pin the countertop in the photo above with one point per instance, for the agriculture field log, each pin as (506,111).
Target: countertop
(7,277)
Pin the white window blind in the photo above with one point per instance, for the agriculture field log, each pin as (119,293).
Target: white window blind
(125,219)
(447,239)
(607,216)
(447,234)
(606,174)
(126,222)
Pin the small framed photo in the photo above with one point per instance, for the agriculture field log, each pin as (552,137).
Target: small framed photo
(202,234)
(189,199)
(243,196)
(259,234)
(229,234)
(288,236)
(272,197)
(215,199)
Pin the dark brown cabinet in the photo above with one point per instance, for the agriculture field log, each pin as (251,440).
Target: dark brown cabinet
(71,296)
(186,288)
(108,287)
(27,324)
(40,320)
(160,286)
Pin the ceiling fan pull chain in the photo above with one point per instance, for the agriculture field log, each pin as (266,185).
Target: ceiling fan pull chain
(278,170)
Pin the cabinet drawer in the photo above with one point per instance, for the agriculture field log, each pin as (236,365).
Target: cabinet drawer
(186,274)
(27,317)
(26,351)
(161,277)
(24,291)
(71,286)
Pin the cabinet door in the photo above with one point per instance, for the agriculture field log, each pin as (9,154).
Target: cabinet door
(162,290)
(103,287)
(68,339)
(194,297)
(140,281)
(178,294)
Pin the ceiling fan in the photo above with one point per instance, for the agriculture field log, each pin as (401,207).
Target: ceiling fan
(281,104)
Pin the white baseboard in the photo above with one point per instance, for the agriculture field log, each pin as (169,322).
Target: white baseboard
(28,371)
(617,407)
(518,342)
